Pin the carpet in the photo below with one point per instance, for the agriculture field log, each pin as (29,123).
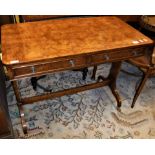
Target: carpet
(86,115)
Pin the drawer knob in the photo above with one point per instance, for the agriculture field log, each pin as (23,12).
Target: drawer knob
(72,63)
(135,53)
(106,57)
(33,69)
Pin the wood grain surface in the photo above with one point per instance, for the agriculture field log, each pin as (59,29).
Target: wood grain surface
(36,41)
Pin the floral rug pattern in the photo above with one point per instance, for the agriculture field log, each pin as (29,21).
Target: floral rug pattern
(89,114)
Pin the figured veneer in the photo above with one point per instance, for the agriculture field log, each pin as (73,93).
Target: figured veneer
(38,41)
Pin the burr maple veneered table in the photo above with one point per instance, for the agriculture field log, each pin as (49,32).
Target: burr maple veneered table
(38,48)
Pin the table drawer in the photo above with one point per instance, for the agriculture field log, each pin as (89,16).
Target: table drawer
(49,67)
(117,55)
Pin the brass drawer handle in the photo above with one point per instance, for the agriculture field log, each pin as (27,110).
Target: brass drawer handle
(72,63)
(33,69)
(106,57)
(135,53)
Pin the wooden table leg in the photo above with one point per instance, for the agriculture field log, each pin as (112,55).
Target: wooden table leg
(23,122)
(20,106)
(34,81)
(85,71)
(141,85)
(114,71)
(94,72)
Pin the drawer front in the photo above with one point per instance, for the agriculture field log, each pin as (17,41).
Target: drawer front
(75,62)
(115,56)
(49,67)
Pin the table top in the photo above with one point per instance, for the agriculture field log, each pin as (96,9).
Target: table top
(41,40)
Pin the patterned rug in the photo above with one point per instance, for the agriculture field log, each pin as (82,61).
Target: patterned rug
(89,114)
